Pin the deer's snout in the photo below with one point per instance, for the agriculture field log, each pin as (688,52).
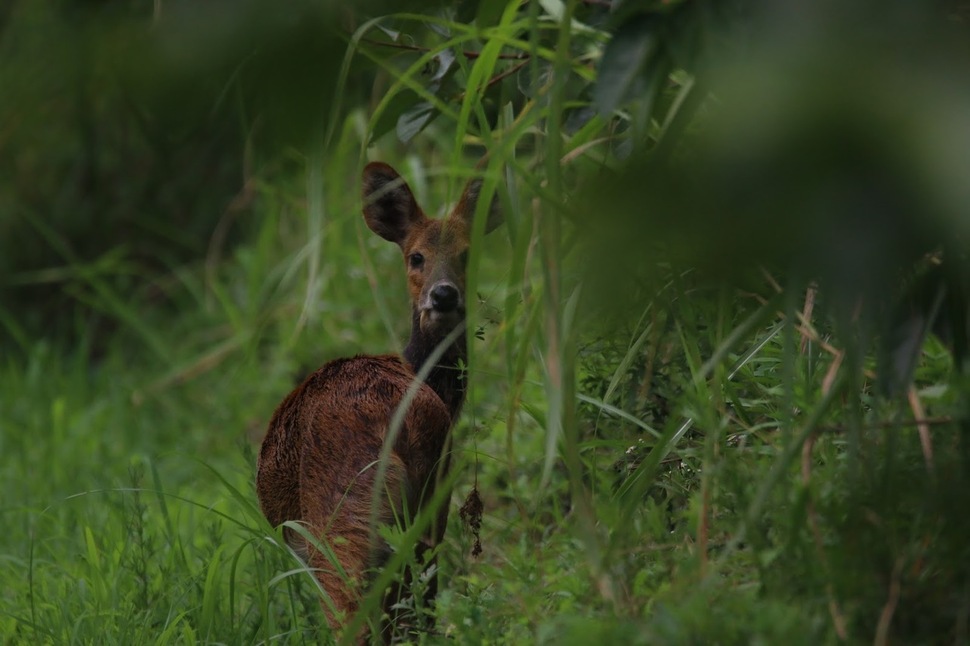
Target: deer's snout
(444,297)
(441,308)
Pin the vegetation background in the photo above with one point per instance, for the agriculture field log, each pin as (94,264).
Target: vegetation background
(718,391)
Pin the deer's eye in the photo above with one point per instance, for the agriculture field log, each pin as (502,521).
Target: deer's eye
(463,258)
(415,260)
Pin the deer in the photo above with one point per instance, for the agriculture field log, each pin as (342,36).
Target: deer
(317,463)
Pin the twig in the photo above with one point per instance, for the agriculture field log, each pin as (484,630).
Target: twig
(417,48)
(807,314)
(498,77)
(888,610)
(924,429)
(771,280)
(832,371)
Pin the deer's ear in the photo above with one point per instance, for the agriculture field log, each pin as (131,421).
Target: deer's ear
(469,201)
(389,206)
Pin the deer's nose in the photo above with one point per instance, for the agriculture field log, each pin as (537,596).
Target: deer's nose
(444,297)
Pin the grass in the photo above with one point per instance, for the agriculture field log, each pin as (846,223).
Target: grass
(134,517)
(709,468)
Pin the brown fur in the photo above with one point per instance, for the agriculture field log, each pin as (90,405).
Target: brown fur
(319,458)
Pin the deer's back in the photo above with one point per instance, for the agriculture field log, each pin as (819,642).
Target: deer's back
(328,433)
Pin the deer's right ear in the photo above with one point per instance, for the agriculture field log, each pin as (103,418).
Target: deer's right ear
(389,206)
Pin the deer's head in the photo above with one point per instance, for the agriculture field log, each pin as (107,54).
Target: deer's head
(435,251)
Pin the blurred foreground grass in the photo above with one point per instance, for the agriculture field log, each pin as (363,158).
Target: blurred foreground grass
(676,420)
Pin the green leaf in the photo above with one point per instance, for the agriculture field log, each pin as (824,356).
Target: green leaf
(414,120)
(628,53)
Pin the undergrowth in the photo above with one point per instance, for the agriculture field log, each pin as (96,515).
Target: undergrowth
(661,458)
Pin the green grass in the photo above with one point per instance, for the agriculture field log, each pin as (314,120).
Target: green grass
(663,460)
(130,517)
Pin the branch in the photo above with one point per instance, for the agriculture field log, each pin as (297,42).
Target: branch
(498,77)
(924,429)
(415,48)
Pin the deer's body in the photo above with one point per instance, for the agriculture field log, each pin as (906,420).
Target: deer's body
(318,461)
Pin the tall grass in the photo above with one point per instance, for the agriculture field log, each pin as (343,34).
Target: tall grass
(698,463)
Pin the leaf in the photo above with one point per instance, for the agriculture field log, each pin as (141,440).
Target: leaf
(577,118)
(392,35)
(917,315)
(439,29)
(414,120)
(398,105)
(557,10)
(445,59)
(531,79)
(629,51)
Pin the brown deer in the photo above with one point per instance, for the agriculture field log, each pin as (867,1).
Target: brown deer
(318,462)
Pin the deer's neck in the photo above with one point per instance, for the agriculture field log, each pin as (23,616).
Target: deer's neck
(446,377)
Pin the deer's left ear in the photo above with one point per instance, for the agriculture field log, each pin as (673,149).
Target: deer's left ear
(469,201)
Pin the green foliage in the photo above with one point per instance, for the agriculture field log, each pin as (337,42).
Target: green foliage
(718,377)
